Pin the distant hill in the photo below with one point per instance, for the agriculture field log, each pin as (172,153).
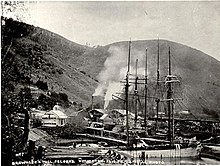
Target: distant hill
(74,69)
(198,72)
(46,56)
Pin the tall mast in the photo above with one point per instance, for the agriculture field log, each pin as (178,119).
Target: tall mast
(169,98)
(126,93)
(136,95)
(145,108)
(158,62)
(158,77)
(129,56)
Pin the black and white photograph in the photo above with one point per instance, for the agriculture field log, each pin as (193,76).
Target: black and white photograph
(95,83)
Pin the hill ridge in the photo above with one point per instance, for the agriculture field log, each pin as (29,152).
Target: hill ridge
(75,69)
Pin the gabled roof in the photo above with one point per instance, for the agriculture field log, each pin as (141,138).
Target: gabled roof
(120,111)
(103,111)
(60,114)
(123,112)
(37,112)
(103,116)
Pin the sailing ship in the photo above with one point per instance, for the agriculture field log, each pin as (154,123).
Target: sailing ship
(169,148)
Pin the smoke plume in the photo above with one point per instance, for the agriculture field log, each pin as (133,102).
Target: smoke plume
(115,70)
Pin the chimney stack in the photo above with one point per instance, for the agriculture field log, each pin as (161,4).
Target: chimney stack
(92,103)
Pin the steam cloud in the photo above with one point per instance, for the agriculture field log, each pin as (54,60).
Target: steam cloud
(115,69)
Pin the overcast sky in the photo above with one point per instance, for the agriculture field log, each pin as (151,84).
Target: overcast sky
(196,24)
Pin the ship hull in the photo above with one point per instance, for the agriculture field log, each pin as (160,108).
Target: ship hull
(168,153)
(145,156)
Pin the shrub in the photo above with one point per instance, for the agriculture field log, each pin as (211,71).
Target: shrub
(42,85)
(83,72)
(60,71)
(63,97)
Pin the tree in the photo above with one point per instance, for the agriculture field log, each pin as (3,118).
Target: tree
(70,130)
(16,10)
(15,94)
(15,123)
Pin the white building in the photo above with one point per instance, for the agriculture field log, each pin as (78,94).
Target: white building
(54,118)
(36,117)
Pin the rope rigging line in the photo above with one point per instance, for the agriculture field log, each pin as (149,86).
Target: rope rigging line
(189,95)
(188,81)
(182,103)
(204,99)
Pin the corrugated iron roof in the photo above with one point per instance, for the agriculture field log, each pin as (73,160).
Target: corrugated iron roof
(103,111)
(103,116)
(121,111)
(60,114)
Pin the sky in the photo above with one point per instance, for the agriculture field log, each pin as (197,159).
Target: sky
(193,23)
